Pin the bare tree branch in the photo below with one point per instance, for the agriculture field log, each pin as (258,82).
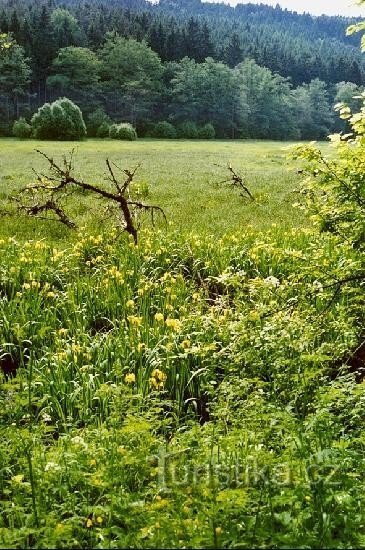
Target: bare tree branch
(44,196)
(235,180)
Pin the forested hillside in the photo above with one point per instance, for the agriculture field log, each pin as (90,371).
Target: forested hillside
(180,61)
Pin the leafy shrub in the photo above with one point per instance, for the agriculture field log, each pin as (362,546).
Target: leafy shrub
(334,190)
(164,129)
(95,120)
(206,132)
(21,129)
(61,120)
(188,130)
(103,130)
(124,131)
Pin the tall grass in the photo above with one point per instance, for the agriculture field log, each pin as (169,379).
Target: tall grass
(120,350)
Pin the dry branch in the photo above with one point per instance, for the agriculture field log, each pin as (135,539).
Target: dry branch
(235,180)
(46,194)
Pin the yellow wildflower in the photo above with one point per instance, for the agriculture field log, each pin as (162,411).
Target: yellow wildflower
(159,375)
(135,321)
(76,348)
(254,316)
(158,379)
(18,479)
(130,304)
(159,317)
(185,344)
(89,523)
(130,378)
(175,324)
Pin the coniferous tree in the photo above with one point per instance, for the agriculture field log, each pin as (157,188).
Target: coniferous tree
(233,53)
(44,51)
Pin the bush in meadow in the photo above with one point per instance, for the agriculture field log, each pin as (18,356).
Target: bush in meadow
(61,120)
(123,131)
(164,130)
(188,130)
(207,131)
(95,121)
(21,129)
(103,130)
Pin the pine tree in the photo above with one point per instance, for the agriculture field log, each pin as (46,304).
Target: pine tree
(354,74)
(14,26)
(233,54)
(192,40)
(207,46)
(4,25)
(43,51)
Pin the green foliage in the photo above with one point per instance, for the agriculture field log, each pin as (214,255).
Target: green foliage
(123,131)
(21,129)
(334,190)
(15,71)
(79,67)
(206,132)
(98,120)
(166,64)
(103,130)
(265,106)
(65,27)
(135,346)
(195,390)
(130,73)
(313,111)
(205,92)
(130,345)
(350,94)
(358,27)
(61,120)
(187,130)
(164,130)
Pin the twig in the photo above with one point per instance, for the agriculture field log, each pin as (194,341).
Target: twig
(237,181)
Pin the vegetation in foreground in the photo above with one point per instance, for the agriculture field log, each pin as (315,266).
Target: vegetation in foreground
(152,379)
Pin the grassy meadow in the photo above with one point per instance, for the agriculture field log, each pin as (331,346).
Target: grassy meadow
(181,176)
(193,391)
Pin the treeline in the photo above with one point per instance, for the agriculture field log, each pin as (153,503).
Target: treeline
(142,65)
(300,47)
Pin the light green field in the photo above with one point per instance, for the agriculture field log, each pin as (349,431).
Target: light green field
(182,177)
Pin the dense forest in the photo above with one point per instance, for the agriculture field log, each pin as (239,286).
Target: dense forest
(250,71)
